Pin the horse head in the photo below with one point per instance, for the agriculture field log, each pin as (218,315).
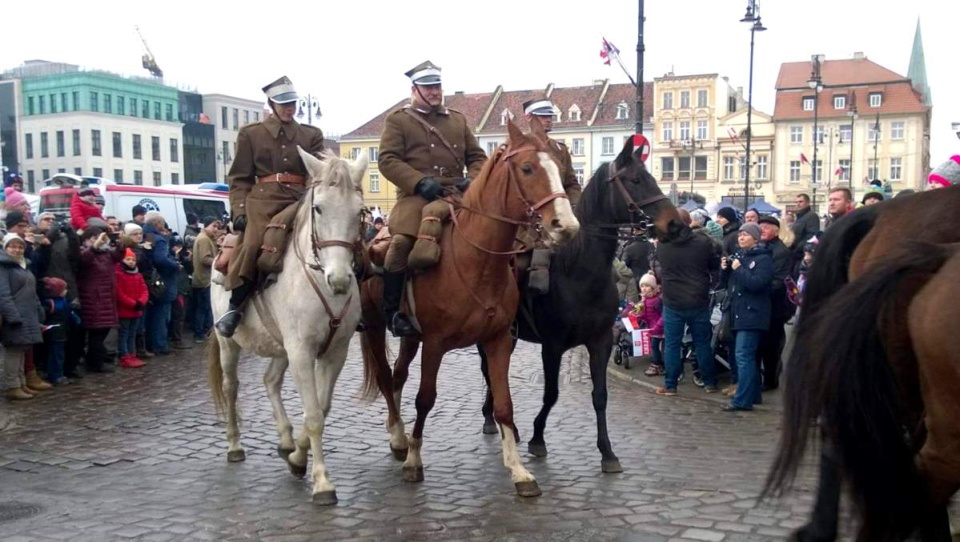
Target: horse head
(538,190)
(640,197)
(333,209)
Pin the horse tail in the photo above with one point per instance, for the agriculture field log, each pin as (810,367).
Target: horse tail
(215,376)
(827,275)
(851,381)
(374,359)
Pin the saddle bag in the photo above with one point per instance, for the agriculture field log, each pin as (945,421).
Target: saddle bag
(227,243)
(426,251)
(539,280)
(377,249)
(275,240)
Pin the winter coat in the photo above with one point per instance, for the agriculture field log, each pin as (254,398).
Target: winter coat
(163,260)
(652,314)
(781,307)
(81,211)
(59,314)
(687,264)
(637,257)
(98,284)
(131,289)
(19,305)
(204,252)
(61,258)
(729,242)
(749,289)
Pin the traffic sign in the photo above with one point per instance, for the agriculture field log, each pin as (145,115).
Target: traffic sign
(642,145)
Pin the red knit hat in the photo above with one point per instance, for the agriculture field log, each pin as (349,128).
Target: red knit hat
(55,286)
(129,254)
(947,173)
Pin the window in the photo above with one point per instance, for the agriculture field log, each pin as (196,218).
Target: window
(44,145)
(668,100)
(374,182)
(156,110)
(796,134)
(94,102)
(107,103)
(45,173)
(623,111)
(98,172)
(492,147)
(743,170)
(374,154)
(667,132)
(504,115)
(117,145)
(78,171)
(872,170)
(30,110)
(578,149)
(839,102)
(175,179)
(137,177)
(896,169)
(574,113)
(61,144)
(820,134)
(795,171)
(225,154)
(876,100)
(246,117)
(223,118)
(43,104)
(156,178)
(845,166)
(31,181)
(702,97)
(819,166)
(256,116)
(557,115)
(133,107)
(121,106)
(169,113)
(145,110)
(700,168)
(236,119)
(76,142)
(137,152)
(578,169)
(846,133)
(683,169)
(155,147)
(354,153)
(174,150)
(728,166)
(118,175)
(701,130)
(28,143)
(63,102)
(684,99)
(874,135)
(808,104)
(606,145)
(762,167)
(666,168)
(896,130)
(53,103)
(202,207)
(61,170)
(684,130)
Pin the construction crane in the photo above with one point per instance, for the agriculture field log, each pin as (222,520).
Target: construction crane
(149,62)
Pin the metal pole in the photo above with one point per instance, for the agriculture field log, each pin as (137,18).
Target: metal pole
(853,122)
(876,146)
(816,106)
(746,182)
(640,50)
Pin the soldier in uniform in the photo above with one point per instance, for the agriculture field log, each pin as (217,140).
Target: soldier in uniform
(424,148)
(540,111)
(267,175)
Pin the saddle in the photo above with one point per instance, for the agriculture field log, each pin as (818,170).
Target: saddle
(275,240)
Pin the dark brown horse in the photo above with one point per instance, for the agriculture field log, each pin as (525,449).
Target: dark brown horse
(877,360)
(471,295)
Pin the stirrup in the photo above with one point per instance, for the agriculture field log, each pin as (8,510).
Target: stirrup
(400,325)
(227,324)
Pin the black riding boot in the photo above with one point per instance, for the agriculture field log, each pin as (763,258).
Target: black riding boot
(228,323)
(397,322)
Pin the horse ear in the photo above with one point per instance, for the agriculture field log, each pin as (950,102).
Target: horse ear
(357,167)
(514,133)
(626,155)
(315,166)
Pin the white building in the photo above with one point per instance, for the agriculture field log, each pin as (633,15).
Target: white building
(228,114)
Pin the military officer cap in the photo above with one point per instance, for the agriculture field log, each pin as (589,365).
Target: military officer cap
(281,91)
(539,106)
(425,73)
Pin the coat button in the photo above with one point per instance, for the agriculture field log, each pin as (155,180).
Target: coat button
(431,145)
(454,145)
(435,167)
(285,160)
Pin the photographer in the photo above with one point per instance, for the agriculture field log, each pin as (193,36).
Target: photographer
(97,280)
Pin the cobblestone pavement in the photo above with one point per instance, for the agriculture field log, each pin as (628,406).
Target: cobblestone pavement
(141,455)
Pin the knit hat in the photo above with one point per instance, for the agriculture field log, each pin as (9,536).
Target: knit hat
(729,213)
(12,237)
(13,218)
(138,210)
(945,174)
(129,254)
(871,195)
(131,228)
(14,198)
(649,279)
(715,230)
(55,286)
(752,229)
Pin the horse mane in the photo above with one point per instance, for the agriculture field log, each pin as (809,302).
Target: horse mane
(480,182)
(339,169)
(592,209)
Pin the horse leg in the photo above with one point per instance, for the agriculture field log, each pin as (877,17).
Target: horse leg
(499,349)
(823,524)
(304,375)
(401,369)
(273,380)
(374,345)
(489,426)
(426,397)
(599,351)
(326,372)
(229,356)
(551,391)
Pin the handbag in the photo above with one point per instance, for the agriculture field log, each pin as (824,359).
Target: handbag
(156,286)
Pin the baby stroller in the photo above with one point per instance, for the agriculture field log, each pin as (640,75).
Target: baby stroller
(623,339)
(720,355)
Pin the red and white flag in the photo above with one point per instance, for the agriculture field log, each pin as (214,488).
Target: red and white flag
(608,51)
(839,171)
(803,159)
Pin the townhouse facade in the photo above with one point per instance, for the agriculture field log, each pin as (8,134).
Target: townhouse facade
(228,114)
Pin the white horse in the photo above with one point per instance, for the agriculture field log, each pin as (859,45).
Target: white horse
(305,319)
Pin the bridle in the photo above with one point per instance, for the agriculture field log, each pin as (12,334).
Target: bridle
(638,218)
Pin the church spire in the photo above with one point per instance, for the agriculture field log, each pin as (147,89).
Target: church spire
(917,72)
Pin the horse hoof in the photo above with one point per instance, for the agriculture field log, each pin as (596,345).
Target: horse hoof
(297,470)
(412,474)
(537,449)
(528,489)
(325,498)
(400,454)
(490,428)
(285,453)
(610,466)
(236,456)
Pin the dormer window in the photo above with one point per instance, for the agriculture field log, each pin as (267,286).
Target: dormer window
(808,104)
(574,113)
(506,114)
(839,102)
(876,99)
(623,111)
(557,115)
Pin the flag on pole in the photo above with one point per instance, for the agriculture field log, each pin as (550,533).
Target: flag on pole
(204,119)
(803,159)
(839,171)
(609,51)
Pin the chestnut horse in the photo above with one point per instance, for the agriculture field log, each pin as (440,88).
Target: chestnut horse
(470,296)
(877,359)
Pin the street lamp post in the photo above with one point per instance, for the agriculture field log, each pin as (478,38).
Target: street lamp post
(852,113)
(752,16)
(640,50)
(309,106)
(815,83)
(693,159)
(876,147)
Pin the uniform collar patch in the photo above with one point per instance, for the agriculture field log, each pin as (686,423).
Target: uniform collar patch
(273,125)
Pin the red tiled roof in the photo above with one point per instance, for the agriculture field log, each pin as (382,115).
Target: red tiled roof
(897,99)
(850,71)
(513,100)
(585,98)
(374,126)
(624,93)
(473,106)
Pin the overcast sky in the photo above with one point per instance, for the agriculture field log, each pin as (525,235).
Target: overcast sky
(352,55)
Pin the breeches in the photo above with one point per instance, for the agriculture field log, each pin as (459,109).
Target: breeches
(396,258)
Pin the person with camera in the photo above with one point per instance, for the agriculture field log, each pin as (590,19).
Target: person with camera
(161,302)
(99,256)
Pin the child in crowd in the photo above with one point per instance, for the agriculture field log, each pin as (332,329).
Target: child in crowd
(650,311)
(132,296)
(55,326)
(83,208)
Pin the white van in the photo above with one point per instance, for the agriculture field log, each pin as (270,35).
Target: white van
(173,201)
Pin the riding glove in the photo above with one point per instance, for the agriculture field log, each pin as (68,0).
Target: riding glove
(429,188)
(463,185)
